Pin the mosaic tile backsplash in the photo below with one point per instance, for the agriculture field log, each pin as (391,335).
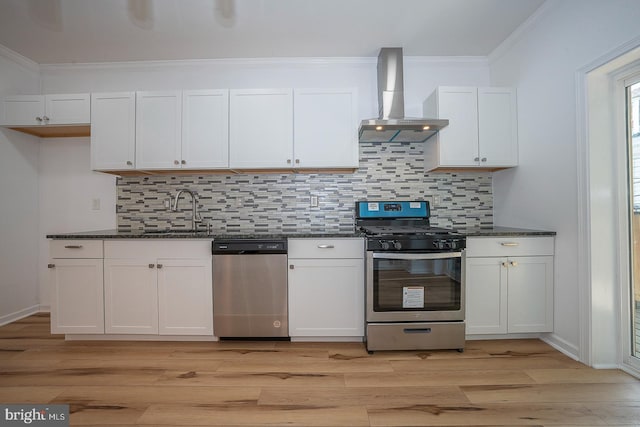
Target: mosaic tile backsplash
(275,203)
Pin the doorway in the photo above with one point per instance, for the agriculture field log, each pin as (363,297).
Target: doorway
(633,138)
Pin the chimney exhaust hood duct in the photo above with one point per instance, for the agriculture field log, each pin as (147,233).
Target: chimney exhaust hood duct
(391,124)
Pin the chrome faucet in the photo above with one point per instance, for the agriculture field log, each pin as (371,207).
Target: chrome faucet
(195,216)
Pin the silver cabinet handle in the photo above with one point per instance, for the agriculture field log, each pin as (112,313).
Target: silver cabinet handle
(45,118)
(288,161)
(73,246)
(175,162)
(505,264)
(51,265)
(151,265)
(184,162)
(159,265)
(38,119)
(326,246)
(510,244)
(291,267)
(129,163)
(484,159)
(476,159)
(297,161)
(514,263)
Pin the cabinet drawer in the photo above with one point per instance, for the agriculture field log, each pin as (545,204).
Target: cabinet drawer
(326,248)
(161,248)
(75,248)
(509,246)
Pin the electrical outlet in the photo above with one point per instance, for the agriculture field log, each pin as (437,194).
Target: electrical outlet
(167,203)
(313,202)
(239,202)
(436,200)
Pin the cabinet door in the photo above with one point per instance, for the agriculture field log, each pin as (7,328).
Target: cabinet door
(185,304)
(530,294)
(22,110)
(497,127)
(158,130)
(131,296)
(205,129)
(261,128)
(458,142)
(77,303)
(113,131)
(67,109)
(486,296)
(325,128)
(326,297)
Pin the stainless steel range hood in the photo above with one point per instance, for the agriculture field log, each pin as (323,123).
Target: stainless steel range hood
(392,125)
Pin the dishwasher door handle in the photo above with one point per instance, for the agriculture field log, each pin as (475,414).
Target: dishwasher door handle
(326,246)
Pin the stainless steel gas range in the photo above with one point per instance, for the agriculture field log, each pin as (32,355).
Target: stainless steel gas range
(415,292)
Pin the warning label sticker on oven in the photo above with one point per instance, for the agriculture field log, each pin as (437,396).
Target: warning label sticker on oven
(373,206)
(413,297)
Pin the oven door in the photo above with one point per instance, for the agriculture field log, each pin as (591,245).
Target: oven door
(406,287)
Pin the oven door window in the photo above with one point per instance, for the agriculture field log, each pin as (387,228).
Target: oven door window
(416,284)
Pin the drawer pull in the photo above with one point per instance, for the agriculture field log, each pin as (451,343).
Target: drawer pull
(417,330)
(151,265)
(514,263)
(505,264)
(326,246)
(73,246)
(51,265)
(510,244)
(159,265)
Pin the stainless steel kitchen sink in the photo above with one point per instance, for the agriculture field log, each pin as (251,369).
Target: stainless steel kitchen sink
(176,233)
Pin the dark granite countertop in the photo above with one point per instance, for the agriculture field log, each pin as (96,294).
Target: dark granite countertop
(497,231)
(184,234)
(484,231)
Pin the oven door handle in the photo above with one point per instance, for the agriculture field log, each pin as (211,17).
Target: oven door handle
(412,256)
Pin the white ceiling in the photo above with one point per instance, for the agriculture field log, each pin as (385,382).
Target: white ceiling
(68,31)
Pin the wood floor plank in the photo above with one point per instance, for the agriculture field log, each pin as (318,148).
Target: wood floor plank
(254,415)
(160,363)
(489,363)
(255,354)
(437,378)
(78,376)
(617,413)
(615,392)
(254,379)
(363,396)
(559,376)
(485,415)
(319,366)
(28,394)
(114,395)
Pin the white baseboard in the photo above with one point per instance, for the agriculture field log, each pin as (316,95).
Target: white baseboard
(125,337)
(45,308)
(562,346)
(20,314)
(327,339)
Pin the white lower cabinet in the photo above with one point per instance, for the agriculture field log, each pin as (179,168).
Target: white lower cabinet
(326,287)
(166,292)
(75,276)
(509,285)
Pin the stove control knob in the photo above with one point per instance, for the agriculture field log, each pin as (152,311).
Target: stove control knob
(397,245)
(385,245)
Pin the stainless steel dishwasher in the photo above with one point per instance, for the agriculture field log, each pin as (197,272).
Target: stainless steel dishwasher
(250,288)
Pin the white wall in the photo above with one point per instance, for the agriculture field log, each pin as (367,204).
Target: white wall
(18,200)
(68,185)
(542,60)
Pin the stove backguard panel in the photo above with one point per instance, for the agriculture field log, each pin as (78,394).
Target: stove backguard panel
(264,203)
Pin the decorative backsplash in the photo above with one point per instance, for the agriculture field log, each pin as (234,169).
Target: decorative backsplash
(264,203)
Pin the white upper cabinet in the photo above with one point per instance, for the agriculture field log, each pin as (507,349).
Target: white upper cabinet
(261,128)
(325,128)
(113,130)
(158,130)
(40,110)
(205,129)
(482,131)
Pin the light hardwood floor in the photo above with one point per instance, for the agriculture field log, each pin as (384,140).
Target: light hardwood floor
(497,383)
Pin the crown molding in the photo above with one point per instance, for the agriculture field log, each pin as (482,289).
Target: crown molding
(519,32)
(447,60)
(22,61)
